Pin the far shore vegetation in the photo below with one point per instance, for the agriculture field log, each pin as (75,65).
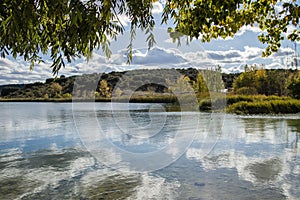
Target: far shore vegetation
(255,91)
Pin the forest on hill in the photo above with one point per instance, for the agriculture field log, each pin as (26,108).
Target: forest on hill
(62,87)
(251,82)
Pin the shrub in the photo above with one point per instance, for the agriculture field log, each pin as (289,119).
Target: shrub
(250,108)
(67,95)
(205,105)
(57,96)
(247,91)
(46,96)
(238,98)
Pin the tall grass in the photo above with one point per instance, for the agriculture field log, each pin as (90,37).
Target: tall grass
(266,107)
(251,104)
(231,99)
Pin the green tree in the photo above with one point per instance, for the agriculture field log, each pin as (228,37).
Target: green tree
(246,79)
(294,86)
(261,80)
(276,83)
(200,85)
(67,29)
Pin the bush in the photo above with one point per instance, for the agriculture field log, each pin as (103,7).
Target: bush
(46,96)
(251,108)
(67,95)
(238,98)
(57,96)
(247,91)
(205,105)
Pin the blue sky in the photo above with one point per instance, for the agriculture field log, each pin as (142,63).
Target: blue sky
(231,54)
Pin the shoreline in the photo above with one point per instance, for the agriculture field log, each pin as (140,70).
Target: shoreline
(235,104)
(59,100)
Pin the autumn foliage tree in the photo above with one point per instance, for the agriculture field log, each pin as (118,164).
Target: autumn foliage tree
(55,89)
(104,90)
(181,86)
(267,82)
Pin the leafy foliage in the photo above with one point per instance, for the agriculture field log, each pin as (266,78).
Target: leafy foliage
(246,91)
(200,85)
(68,29)
(56,88)
(213,19)
(294,86)
(180,86)
(104,89)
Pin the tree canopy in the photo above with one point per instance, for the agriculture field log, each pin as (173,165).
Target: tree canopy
(68,29)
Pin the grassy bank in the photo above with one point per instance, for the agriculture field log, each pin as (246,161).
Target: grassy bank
(155,98)
(36,100)
(253,104)
(265,105)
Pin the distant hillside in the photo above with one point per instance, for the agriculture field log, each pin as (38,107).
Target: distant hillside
(63,86)
(7,89)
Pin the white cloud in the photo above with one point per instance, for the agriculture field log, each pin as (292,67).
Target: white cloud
(15,71)
(157,56)
(252,52)
(254,29)
(243,30)
(157,8)
(231,61)
(225,58)
(124,19)
(275,65)
(283,52)
(154,58)
(234,69)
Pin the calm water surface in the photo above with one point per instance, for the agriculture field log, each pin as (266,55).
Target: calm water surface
(44,156)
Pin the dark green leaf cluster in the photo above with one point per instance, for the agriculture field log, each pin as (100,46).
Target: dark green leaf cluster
(67,29)
(209,19)
(294,86)
(52,88)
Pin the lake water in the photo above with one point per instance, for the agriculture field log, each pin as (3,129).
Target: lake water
(138,151)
